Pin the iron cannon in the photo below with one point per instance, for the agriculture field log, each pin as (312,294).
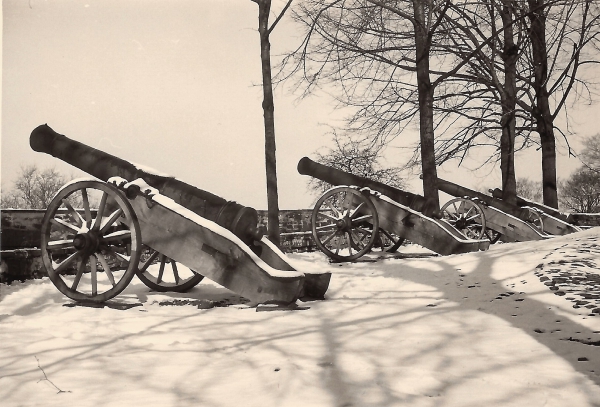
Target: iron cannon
(333,176)
(97,234)
(507,221)
(359,215)
(241,220)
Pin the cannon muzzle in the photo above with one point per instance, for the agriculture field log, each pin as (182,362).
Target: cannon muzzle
(333,176)
(241,220)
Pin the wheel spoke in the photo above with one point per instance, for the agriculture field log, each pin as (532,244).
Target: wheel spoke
(100,212)
(112,219)
(324,242)
(362,218)
(347,201)
(61,244)
(338,246)
(333,209)
(65,263)
(356,210)
(65,225)
(175,272)
(148,262)
(86,207)
(119,255)
(327,216)
(326,227)
(473,217)
(94,274)
(117,236)
(471,232)
(163,260)
(365,232)
(80,268)
(359,241)
(349,239)
(76,215)
(387,234)
(106,268)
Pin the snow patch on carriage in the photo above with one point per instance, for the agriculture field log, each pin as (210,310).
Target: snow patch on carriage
(268,277)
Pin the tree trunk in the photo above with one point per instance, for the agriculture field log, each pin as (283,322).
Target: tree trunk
(425,91)
(264,8)
(541,111)
(509,102)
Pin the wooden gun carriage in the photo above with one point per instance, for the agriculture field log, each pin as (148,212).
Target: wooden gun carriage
(356,215)
(568,221)
(513,223)
(132,220)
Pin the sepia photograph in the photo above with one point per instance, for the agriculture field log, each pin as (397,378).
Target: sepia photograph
(273,203)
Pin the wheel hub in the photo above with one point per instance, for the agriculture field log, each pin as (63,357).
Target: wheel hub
(87,242)
(461,223)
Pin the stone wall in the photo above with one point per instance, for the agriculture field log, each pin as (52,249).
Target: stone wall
(295,229)
(20,256)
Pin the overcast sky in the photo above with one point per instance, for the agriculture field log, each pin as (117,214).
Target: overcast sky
(172,84)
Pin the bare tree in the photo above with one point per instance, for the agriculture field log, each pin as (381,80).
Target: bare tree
(529,189)
(480,71)
(377,55)
(543,46)
(560,34)
(264,10)
(357,158)
(591,152)
(581,192)
(33,189)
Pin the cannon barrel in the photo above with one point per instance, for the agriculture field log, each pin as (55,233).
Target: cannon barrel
(333,176)
(497,193)
(241,220)
(458,191)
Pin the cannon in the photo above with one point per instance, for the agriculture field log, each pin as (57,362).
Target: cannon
(351,218)
(97,234)
(507,221)
(554,221)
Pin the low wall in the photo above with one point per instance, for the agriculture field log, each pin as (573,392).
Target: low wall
(295,229)
(584,219)
(20,254)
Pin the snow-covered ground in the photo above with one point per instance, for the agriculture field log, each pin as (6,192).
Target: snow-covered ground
(518,325)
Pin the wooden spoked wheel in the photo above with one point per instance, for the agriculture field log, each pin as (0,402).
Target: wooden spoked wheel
(534,218)
(466,216)
(90,254)
(344,224)
(160,273)
(388,242)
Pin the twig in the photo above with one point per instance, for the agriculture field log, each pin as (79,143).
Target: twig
(48,380)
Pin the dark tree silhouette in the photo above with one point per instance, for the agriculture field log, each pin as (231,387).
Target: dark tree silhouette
(357,158)
(264,10)
(33,189)
(581,192)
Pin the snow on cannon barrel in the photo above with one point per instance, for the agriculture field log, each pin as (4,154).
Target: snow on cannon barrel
(86,250)
(333,176)
(359,214)
(241,220)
